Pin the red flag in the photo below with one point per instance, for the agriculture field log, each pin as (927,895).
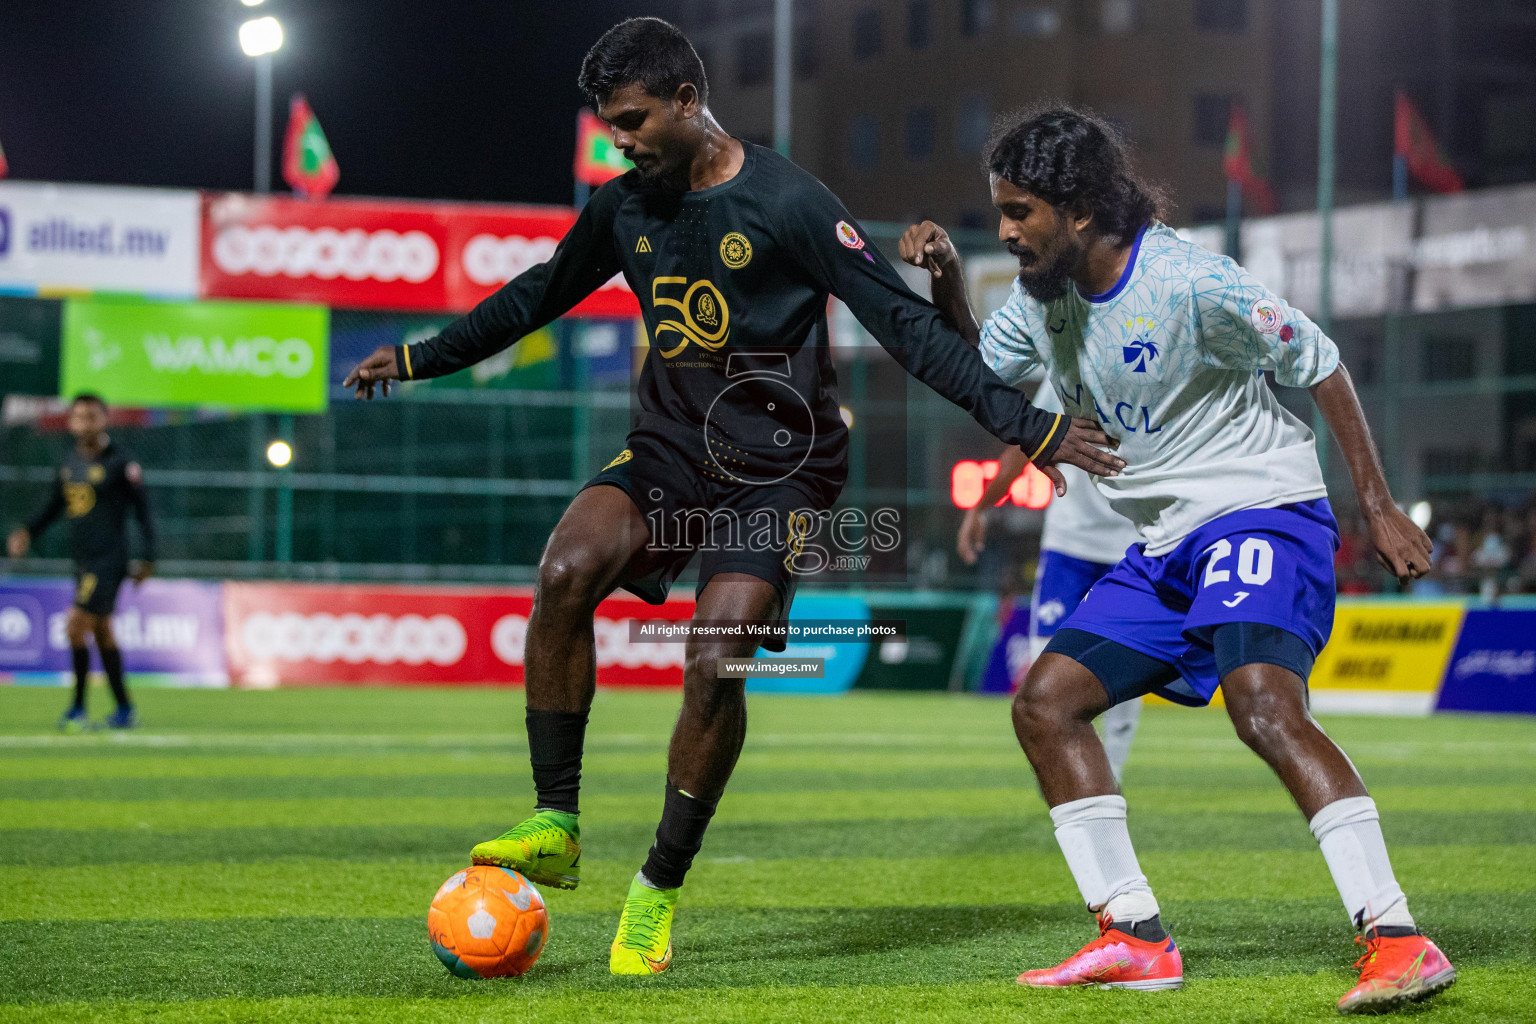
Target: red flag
(308,166)
(5,168)
(1237,161)
(598,160)
(1412,142)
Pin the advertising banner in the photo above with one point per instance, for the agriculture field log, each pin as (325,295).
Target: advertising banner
(1386,656)
(236,355)
(69,238)
(172,629)
(286,633)
(1493,667)
(29,346)
(377,254)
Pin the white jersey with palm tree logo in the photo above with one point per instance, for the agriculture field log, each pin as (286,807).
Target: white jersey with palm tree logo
(1170,360)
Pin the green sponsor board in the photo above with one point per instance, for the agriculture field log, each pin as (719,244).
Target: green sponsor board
(29,346)
(236,355)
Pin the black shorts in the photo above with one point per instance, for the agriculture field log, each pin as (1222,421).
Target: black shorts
(740,527)
(97,584)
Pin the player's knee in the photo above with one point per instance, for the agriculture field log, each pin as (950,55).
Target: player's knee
(1042,706)
(571,580)
(703,687)
(77,628)
(1267,727)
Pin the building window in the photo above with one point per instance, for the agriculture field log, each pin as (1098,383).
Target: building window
(1212,112)
(1035,21)
(866,34)
(1221,15)
(975,16)
(807,53)
(754,59)
(973,122)
(864,142)
(1118,17)
(1449,358)
(919,135)
(919,24)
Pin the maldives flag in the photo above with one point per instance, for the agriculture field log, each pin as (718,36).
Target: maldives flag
(308,166)
(598,160)
(1415,146)
(1237,161)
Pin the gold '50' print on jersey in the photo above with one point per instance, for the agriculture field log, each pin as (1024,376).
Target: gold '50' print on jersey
(695,311)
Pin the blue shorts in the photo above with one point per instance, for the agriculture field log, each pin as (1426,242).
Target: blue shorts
(1061,583)
(1272,566)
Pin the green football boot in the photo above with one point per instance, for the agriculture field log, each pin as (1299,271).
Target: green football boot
(644,943)
(545,849)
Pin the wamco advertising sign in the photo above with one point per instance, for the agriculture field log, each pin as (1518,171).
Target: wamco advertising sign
(237,355)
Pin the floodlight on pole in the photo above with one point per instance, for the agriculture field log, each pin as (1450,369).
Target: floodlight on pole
(280,453)
(261,36)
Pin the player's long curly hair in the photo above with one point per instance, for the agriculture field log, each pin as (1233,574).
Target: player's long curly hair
(1067,156)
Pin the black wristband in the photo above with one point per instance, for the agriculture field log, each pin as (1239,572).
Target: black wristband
(403,362)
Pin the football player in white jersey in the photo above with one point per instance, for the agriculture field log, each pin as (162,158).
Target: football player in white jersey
(1082,540)
(1231,584)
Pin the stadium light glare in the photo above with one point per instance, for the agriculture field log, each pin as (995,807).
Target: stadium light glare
(1421,513)
(253,3)
(261,36)
(279,453)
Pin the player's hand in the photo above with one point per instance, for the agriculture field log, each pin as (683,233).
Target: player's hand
(18,542)
(142,570)
(928,246)
(376,371)
(1402,548)
(973,535)
(1083,447)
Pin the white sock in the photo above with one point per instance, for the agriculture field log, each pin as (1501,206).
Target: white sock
(1349,832)
(1094,839)
(1117,728)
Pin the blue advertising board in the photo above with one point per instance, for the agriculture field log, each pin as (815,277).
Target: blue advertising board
(168,628)
(1493,666)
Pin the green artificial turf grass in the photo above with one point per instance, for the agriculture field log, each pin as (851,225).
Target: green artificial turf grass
(269,856)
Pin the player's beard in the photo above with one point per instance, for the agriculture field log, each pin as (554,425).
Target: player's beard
(1046,276)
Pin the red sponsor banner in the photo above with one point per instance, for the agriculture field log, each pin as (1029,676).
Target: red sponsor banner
(280,634)
(377,254)
(491,245)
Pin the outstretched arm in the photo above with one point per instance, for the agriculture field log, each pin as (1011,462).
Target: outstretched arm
(584,260)
(1401,547)
(920,338)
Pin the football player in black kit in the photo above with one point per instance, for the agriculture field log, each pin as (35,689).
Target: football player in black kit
(732,251)
(94,489)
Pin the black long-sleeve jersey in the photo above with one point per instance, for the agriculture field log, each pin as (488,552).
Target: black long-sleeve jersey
(733,283)
(95,495)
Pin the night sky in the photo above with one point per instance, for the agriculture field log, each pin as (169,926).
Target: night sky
(456,100)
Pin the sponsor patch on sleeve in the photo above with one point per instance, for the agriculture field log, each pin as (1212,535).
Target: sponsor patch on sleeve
(848,236)
(1266,316)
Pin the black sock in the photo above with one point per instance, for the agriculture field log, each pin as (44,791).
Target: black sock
(1150,930)
(678,838)
(80,658)
(555,739)
(112,663)
(1390,931)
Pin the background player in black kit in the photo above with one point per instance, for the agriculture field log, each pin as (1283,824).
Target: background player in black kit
(732,251)
(94,489)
